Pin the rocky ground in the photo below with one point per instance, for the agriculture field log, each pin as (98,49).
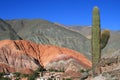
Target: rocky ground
(108,68)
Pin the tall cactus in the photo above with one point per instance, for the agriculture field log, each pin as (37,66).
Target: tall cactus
(98,41)
(96,32)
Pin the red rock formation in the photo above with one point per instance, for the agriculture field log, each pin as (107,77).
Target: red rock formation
(19,55)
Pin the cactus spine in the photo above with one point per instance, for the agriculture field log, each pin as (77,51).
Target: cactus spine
(98,41)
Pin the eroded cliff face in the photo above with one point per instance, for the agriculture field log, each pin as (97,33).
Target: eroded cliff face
(26,56)
(13,59)
(110,65)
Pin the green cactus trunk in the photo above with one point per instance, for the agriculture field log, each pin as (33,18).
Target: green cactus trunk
(96,36)
(98,41)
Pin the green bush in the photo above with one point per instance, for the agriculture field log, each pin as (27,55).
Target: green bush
(5,78)
(17,74)
(33,76)
(40,70)
(82,70)
(2,74)
(50,79)
(54,70)
(51,70)
(25,75)
(67,79)
(62,70)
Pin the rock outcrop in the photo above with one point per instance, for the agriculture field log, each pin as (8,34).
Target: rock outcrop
(26,56)
(110,65)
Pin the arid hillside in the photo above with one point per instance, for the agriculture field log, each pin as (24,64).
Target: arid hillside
(7,32)
(26,56)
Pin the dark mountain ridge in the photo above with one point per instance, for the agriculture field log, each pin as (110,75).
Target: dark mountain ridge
(6,31)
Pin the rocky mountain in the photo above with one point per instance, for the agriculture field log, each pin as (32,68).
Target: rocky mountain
(84,30)
(45,32)
(26,56)
(6,31)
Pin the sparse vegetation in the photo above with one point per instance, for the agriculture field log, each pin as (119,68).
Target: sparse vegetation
(3,78)
(55,70)
(6,78)
(40,70)
(50,79)
(2,74)
(36,73)
(52,70)
(82,70)
(24,75)
(17,74)
(33,76)
(67,79)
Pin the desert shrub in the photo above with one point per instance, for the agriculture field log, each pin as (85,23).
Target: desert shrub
(3,78)
(63,79)
(17,79)
(33,76)
(25,75)
(40,70)
(17,74)
(50,79)
(62,70)
(51,70)
(55,70)
(6,78)
(82,70)
(2,74)
(66,79)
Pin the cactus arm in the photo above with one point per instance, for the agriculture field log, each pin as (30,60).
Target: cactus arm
(104,38)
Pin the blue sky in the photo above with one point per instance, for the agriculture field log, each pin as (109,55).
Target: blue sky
(67,12)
